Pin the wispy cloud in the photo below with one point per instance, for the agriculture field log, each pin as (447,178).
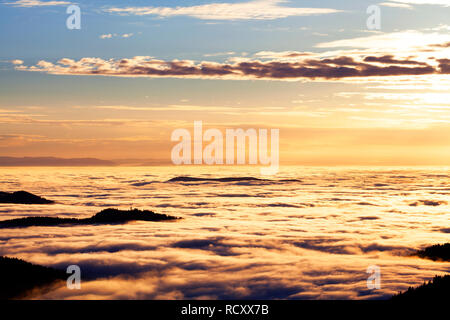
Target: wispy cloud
(253,10)
(218,54)
(403,40)
(396,5)
(115,35)
(37,3)
(106,36)
(421,2)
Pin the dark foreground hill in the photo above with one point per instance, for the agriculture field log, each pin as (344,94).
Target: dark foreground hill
(22,197)
(435,290)
(18,278)
(107,216)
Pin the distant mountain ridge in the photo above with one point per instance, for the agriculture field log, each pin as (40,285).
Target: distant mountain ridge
(52,161)
(22,197)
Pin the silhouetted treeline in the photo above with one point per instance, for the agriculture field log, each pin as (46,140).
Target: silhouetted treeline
(18,277)
(437,252)
(436,289)
(107,216)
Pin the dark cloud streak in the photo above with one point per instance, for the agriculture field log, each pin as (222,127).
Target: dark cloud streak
(329,69)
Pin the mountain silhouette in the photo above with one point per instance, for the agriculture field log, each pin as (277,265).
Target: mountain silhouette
(52,161)
(22,197)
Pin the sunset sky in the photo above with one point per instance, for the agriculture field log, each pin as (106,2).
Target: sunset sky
(340,94)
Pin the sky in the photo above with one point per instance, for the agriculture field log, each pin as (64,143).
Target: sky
(340,93)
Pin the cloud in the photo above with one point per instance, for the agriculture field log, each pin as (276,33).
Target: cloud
(115,35)
(445,3)
(390,60)
(317,252)
(29,119)
(282,55)
(338,67)
(441,27)
(37,3)
(444,65)
(17,61)
(404,40)
(253,10)
(395,5)
(179,108)
(218,54)
(442,45)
